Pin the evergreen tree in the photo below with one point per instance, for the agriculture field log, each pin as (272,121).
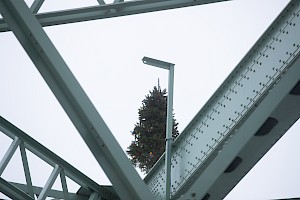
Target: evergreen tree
(150,132)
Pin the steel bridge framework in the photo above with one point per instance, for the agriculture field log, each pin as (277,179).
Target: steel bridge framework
(251,110)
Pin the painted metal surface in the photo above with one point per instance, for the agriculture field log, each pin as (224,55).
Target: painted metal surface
(75,102)
(169,128)
(28,143)
(9,153)
(26,169)
(116,9)
(49,182)
(222,135)
(169,122)
(231,117)
(53,194)
(12,191)
(36,5)
(64,184)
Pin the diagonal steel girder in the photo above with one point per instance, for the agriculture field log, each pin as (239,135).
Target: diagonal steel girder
(110,10)
(73,99)
(255,105)
(12,191)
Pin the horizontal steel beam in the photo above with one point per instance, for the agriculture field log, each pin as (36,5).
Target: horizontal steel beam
(51,193)
(110,10)
(256,89)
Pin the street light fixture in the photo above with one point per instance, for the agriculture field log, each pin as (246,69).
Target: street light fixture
(169,129)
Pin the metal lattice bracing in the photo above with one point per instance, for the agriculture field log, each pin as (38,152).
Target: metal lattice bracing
(28,30)
(250,111)
(222,135)
(60,167)
(74,100)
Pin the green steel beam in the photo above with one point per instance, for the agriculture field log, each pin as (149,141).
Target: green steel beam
(75,102)
(8,155)
(12,191)
(95,196)
(56,194)
(101,2)
(119,8)
(221,144)
(64,184)
(26,169)
(49,183)
(48,156)
(36,5)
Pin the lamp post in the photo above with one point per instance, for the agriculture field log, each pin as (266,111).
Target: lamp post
(169,129)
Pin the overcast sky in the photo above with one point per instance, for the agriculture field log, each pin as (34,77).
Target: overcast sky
(205,42)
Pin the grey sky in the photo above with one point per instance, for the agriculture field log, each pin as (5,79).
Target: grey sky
(205,42)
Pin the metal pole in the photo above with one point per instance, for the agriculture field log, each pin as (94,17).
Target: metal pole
(169,128)
(169,131)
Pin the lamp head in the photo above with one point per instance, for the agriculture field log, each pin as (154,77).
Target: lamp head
(157,63)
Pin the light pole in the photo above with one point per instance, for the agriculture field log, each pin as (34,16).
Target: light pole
(169,129)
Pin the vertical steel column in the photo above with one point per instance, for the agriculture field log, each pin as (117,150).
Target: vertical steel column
(73,99)
(64,184)
(26,169)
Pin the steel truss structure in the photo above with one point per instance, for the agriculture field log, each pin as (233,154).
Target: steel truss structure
(116,9)
(61,167)
(251,110)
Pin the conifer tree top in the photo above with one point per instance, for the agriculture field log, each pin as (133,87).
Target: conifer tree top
(150,131)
